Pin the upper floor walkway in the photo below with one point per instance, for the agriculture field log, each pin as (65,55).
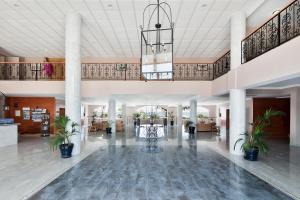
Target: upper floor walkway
(269,54)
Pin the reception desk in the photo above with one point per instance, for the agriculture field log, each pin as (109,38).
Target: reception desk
(8,134)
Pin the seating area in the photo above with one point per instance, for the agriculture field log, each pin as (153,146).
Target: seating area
(101,125)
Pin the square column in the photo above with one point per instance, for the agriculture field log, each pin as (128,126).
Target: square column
(237,119)
(295,117)
(73,75)
(238,32)
(124,116)
(112,117)
(179,125)
(193,113)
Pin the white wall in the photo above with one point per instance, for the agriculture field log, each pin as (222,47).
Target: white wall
(106,88)
(278,64)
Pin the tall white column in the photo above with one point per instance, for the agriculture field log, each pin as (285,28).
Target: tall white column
(86,121)
(73,74)
(238,32)
(112,117)
(237,96)
(124,116)
(295,116)
(179,125)
(237,119)
(193,113)
(179,116)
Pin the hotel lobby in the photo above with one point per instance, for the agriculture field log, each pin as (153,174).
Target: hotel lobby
(150,99)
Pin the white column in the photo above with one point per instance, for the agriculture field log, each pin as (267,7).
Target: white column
(237,96)
(237,119)
(179,116)
(193,113)
(73,74)
(218,115)
(112,117)
(295,117)
(179,125)
(86,121)
(238,32)
(124,116)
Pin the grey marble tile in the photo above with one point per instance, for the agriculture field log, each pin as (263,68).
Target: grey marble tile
(187,173)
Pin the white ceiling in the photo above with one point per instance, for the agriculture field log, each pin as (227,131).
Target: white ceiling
(35,28)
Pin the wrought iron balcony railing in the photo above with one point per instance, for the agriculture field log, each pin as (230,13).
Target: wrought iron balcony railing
(108,71)
(222,65)
(278,30)
(32,71)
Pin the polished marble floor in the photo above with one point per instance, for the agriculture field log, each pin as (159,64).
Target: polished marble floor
(29,166)
(186,168)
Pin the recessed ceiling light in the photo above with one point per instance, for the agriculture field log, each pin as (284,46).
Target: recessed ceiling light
(275,12)
(109,5)
(203,5)
(16,5)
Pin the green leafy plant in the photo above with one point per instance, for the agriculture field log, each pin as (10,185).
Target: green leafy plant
(171,116)
(153,116)
(201,116)
(188,123)
(109,124)
(136,115)
(63,135)
(255,139)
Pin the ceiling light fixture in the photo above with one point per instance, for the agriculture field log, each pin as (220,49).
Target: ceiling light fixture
(203,5)
(16,5)
(157,42)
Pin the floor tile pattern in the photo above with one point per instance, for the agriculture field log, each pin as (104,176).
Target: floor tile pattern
(184,173)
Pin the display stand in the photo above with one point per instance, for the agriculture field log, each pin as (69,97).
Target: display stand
(45,125)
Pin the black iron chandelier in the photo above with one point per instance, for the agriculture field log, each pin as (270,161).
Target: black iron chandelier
(157,42)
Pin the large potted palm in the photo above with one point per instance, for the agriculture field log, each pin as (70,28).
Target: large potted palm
(153,117)
(254,142)
(108,129)
(62,137)
(136,118)
(172,117)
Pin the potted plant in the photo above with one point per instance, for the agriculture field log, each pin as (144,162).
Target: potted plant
(254,142)
(94,117)
(108,129)
(153,117)
(136,118)
(171,116)
(190,126)
(62,138)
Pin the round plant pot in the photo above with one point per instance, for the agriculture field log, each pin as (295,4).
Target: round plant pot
(138,122)
(66,150)
(192,129)
(108,130)
(251,154)
(134,123)
(165,122)
(172,123)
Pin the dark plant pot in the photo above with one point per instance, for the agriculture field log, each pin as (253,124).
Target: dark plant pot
(192,129)
(66,150)
(251,154)
(151,123)
(134,123)
(108,130)
(138,122)
(165,122)
(172,123)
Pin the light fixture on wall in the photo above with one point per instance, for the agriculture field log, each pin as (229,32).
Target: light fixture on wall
(157,42)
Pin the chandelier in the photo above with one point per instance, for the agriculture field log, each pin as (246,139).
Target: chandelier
(157,42)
